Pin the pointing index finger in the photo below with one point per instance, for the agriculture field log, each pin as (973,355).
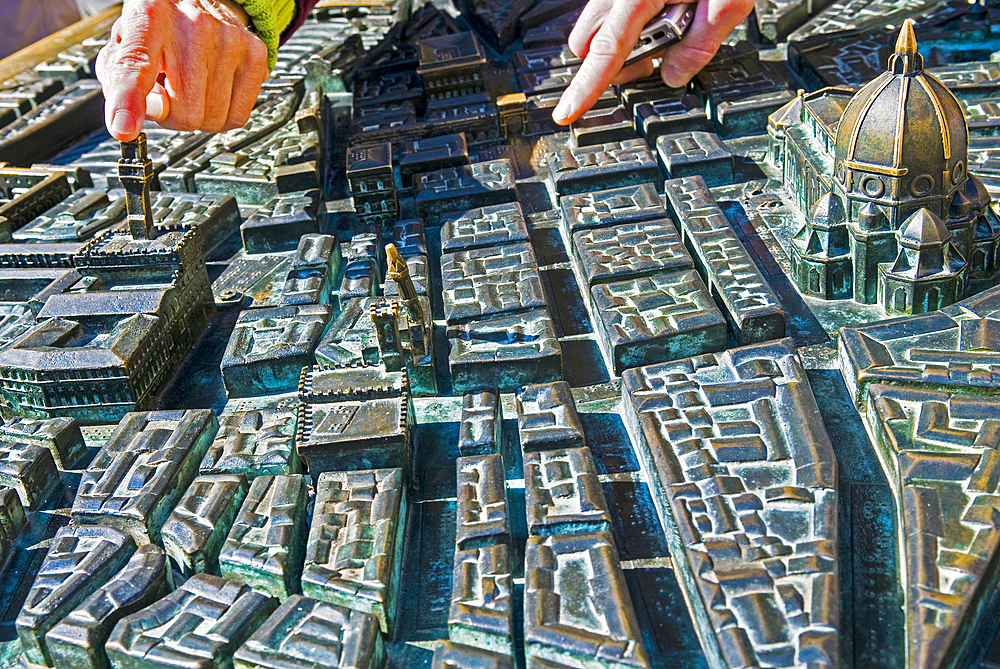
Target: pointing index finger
(128,68)
(607,53)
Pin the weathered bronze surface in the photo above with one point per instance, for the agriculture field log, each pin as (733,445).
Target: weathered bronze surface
(78,640)
(194,532)
(547,417)
(597,620)
(472,390)
(737,524)
(306,633)
(200,624)
(142,471)
(265,545)
(80,560)
(355,549)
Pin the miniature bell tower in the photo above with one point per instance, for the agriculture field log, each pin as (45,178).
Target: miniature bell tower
(135,172)
(385,316)
(419,332)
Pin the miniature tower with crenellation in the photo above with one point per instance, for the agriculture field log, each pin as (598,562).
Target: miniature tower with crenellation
(135,172)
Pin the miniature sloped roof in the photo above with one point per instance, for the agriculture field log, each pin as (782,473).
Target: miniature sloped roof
(446,52)
(827,212)
(48,346)
(104,303)
(975,191)
(924,229)
(828,105)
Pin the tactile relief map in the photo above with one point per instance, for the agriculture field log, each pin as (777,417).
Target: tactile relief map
(403,375)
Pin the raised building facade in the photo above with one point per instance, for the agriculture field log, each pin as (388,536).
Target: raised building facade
(894,218)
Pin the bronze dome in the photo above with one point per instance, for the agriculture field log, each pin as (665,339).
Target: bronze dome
(904,135)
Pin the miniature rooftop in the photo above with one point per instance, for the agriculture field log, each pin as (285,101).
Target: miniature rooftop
(402,375)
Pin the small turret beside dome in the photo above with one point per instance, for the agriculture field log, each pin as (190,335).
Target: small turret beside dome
(928,272)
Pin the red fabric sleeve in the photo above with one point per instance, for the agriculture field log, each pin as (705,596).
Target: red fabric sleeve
(302,9)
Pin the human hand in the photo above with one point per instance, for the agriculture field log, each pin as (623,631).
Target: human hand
(186,64)
(608,30)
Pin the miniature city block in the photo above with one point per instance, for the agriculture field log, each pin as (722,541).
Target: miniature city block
(194,532)
(355,546)
(140,474)
(81,559)
(354,418)
(78,640)
(201,623)
(264,548)
(306,633)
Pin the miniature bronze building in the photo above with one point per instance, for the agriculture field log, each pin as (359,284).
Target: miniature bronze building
(369,173)
(878,173)
(107,348)
(452,66)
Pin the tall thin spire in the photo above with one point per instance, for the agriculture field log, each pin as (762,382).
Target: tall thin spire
(906,59)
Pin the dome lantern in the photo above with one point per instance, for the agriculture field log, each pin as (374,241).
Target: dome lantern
(906,59)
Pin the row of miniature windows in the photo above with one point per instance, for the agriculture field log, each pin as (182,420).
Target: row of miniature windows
(437,82)
(153,360)
(110,394)
(364,187)
(35,376)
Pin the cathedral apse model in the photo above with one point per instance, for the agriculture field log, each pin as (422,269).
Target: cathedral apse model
(893,216)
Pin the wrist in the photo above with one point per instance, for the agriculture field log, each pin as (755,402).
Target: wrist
(268,20)
(238,12)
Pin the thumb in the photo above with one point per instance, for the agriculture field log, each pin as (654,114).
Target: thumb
(128,73)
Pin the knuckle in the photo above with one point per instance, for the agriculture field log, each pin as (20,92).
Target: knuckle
(259,50)
(185,118)
(104,56)
(214,126)
(697,54)
(116,32)
(238,117)
(140,14)
(577,43)
(134,55)
(606,45)
(208,28)
(134,61)
(223,41)
(255,55)
(651,7)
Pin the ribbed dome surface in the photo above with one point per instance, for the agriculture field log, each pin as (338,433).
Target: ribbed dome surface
(905,124)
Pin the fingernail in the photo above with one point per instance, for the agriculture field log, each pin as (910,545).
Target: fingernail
(562,111)
(123,123)
(155,108)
